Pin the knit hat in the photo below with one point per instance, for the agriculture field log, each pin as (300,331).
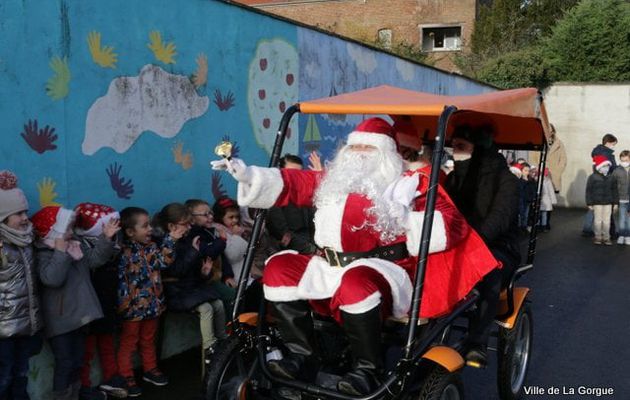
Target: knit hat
(407,134)
(91,217)
(12,199)
(517,169)
(374,132)
(52,222)
(600,161)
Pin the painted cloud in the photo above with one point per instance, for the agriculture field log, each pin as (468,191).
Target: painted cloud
(155,101)
(363,58)
(406,69)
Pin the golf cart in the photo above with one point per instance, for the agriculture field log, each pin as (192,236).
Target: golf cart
(423,359)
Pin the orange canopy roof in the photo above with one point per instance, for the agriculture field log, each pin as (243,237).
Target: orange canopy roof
(518,115)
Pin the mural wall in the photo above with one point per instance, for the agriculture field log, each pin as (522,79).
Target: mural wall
(122,102)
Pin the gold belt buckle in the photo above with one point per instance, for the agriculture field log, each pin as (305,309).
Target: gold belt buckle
(332,257)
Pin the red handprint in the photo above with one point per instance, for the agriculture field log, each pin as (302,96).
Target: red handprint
(217,187)
(39,140)
(224,103)
(123,187)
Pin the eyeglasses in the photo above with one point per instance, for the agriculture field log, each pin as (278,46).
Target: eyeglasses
(206,214)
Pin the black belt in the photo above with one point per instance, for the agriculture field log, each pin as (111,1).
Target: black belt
(392,252)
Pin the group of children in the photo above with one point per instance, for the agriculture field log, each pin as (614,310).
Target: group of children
(88,276)
(528,183)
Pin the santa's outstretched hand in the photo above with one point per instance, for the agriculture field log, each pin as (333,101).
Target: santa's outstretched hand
(235,166)
(399,195)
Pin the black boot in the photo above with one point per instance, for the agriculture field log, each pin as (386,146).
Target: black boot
(296,328)
(364,334)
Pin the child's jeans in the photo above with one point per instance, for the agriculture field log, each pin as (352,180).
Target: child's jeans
(68,349)
(211,322)
(623,223)
(601,221)
(137,335)
(104,343)
(14,355)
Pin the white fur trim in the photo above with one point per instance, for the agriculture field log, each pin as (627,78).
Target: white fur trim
(364,305)
(281,293)
(97,228)
(379,140)
(516,171)
(328,219)
(263,190)
(63,219)
(289,251)
(414,232)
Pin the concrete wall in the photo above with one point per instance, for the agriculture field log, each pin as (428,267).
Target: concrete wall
(582,114)
(122,102)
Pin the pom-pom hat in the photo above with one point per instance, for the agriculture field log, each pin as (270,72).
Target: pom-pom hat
(374,132)
(600,161)
(12,199)
(91,217)
(52,222)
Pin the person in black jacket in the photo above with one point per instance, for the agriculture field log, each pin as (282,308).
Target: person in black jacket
(487,194)
(601,196)
(187,288)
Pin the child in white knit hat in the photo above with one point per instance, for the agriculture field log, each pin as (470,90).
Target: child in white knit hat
(20,318)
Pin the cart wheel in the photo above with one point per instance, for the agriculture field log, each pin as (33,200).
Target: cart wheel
(515,346)
(230,370)
(440,384)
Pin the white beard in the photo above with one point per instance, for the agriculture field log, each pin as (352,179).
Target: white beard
(366,173)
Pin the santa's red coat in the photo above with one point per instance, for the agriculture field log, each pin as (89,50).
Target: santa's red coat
(458,257)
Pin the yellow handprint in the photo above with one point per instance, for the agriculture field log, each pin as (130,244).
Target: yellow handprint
(164,53)
(58,86)
(105,56)
(201,75)
(47,194)
(184,159)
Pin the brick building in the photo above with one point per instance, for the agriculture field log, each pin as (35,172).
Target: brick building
(440,28)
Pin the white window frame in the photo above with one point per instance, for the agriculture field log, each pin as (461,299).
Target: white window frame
(441,26)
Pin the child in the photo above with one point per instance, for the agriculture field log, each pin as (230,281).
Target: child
(622,176)
(89,226)
(20,317)
(601,195)
(194,262)
(68,299)
(547,201)
(140,297)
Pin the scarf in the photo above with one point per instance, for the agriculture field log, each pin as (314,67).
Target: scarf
(20,238)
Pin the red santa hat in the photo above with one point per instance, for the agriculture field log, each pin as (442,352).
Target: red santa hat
(517,169)
(374,132)
(52,222)
(407,134)
(91,217)
(12,199)
(600,161)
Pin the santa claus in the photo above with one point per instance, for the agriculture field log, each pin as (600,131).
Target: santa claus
(368,223)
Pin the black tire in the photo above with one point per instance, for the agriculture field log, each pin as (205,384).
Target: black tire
(514,353)
(439,384)
(229,371)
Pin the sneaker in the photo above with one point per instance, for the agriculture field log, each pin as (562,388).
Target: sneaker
(115,387)
(621,240)
(156,377)
(133,390)
(608,242)
(90,393)
(597,241)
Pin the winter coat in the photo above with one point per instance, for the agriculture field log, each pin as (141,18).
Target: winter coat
(298,221)
(189,288)
(622,175)
(487,194)
(140,292)
(20,313)
(601,190)
(548,196)
(601,150)
(69,300)
(556,162)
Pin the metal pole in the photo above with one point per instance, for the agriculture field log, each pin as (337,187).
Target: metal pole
(531,248)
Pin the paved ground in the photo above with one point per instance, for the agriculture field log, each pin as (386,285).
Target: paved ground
(581,314)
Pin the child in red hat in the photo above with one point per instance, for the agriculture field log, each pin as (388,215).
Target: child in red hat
(20,319)
(601,195)
(68,298)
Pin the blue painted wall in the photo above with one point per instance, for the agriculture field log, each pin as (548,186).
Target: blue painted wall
(136,111)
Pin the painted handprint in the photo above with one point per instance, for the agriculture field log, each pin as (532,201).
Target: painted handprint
(235,148)
(39,140)
(217,186)
(224,103)
(58,86)
(103,56)
(163,52)
(122,186)
(47,194)
(181,158)
(200,77)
